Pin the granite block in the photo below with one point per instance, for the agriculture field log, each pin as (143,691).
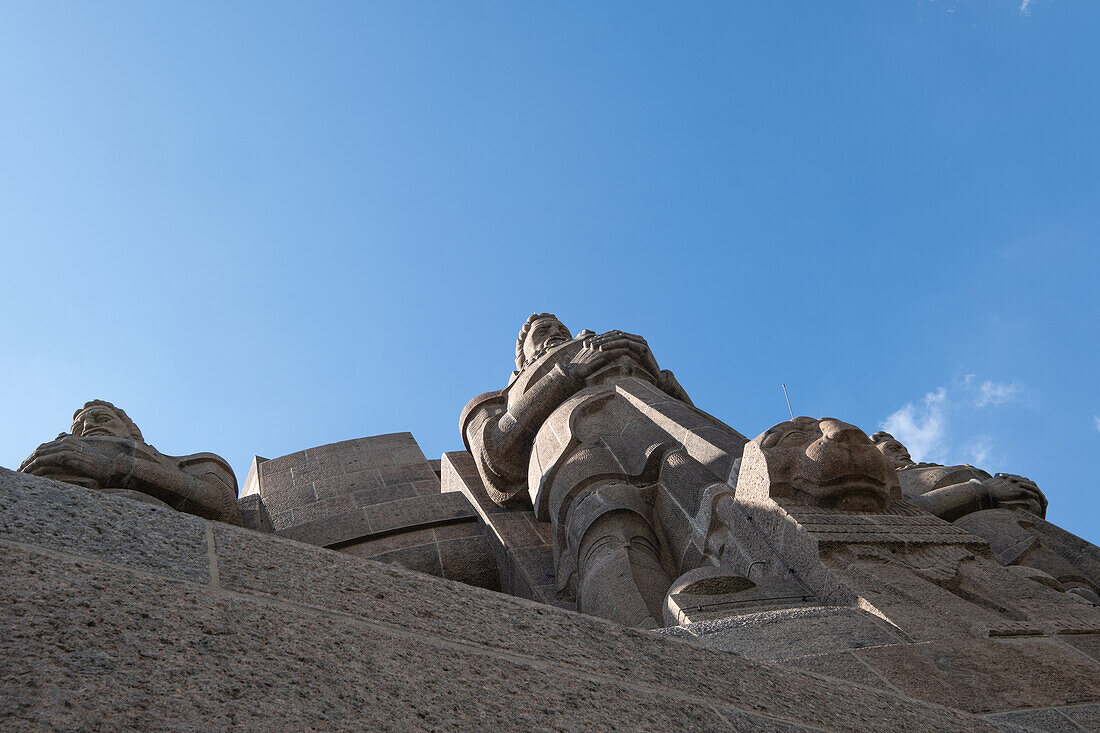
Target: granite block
(382,494)
(406,473)
(515,530)
(468,560)
(254,514)
(1086,717)
(536,563)
(426,487)
(323,509)
(1047,720)
(459,529)
(370,547)
(77,521)
(591,648)
(143,653)
(279,498)
(348,483)
(796,632)
(408,454)
(842,665)
(418,510)
(328,530)
(1087,644)
(988,675)
(421,558)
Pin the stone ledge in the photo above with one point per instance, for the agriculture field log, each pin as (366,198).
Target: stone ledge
(298,636)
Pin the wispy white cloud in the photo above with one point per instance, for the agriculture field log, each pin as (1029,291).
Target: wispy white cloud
(922,426)
(1025,7)
(996,393)
(979,450)
(1096,418)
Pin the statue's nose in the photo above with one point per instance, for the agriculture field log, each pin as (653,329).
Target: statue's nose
(839,431)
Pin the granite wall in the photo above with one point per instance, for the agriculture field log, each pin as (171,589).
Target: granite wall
(119,615)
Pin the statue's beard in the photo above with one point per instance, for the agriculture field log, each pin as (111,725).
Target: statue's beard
(547,345)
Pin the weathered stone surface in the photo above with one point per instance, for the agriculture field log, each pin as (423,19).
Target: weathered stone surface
(809,593)
(293,572)
(62,518)
(1049,720)
(104,660)
(418,510)
(254,514)
(986,675)
(331,479)
(349,525)
(298,637)
(842,665)
(1086,717)
(796,632)
(1088,644)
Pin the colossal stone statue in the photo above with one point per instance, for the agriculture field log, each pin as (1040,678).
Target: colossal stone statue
(106,451)
(816,505)
(606,446)
(951,492)
(1007,510)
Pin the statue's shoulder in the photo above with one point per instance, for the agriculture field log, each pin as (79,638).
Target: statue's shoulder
(209,467)
(485,400)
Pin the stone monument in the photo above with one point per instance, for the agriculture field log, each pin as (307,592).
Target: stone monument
(818,512)
(106,451)
(812,578)
(1007,510)
(607,447)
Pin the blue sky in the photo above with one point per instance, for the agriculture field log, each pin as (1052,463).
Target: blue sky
(263,227)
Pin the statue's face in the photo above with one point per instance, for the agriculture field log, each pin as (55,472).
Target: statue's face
(99,420)
(544,331)
(829,461)
(896,454)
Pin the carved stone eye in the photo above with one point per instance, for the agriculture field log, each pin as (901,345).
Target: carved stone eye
(793,434)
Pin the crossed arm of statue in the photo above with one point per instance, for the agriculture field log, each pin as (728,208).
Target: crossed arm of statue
(526,411)
(500,427)
(121,463)
(1003,490)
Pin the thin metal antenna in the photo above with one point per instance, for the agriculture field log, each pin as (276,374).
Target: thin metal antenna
(788,400)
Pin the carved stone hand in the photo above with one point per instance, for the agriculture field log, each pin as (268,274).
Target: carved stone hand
(1016,492)
(71,459)
(599,351)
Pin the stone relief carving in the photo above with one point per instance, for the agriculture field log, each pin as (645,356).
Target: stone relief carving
(106,451)
(606,446)
(1007,510)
